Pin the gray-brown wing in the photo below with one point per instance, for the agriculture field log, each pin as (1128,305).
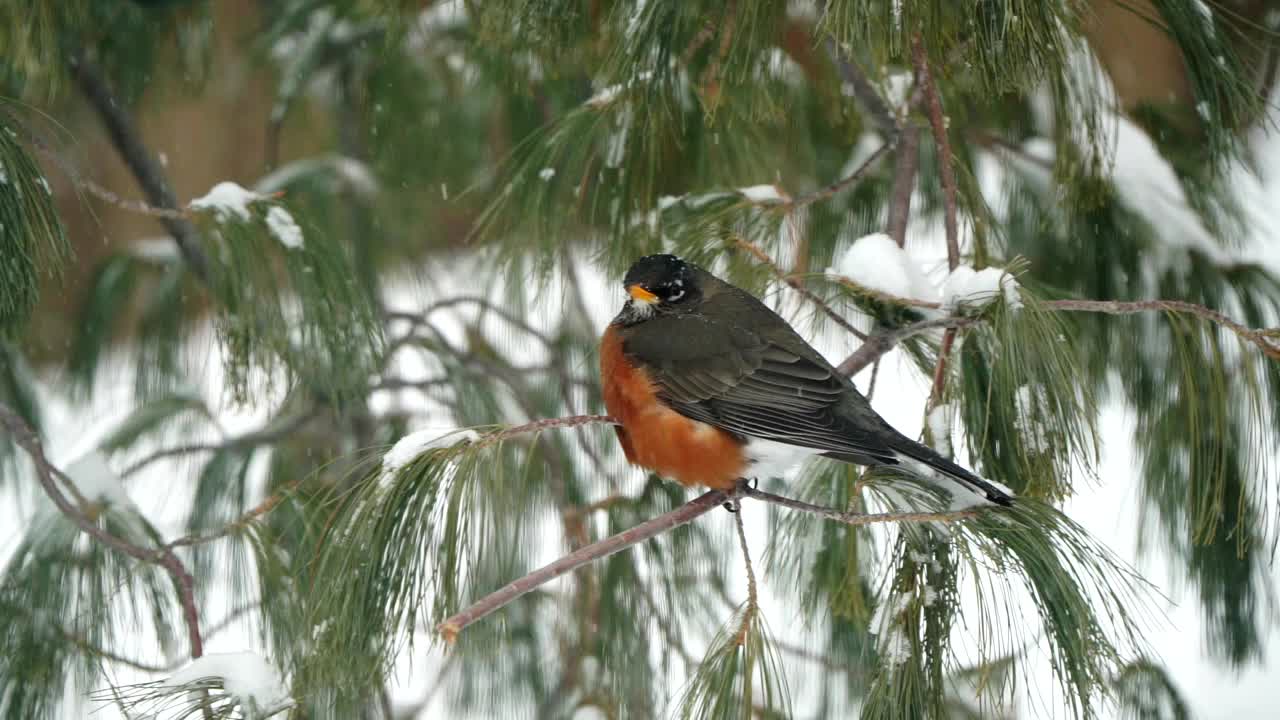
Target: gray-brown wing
(734,379)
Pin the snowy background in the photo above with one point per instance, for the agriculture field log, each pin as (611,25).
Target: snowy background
(1108,508)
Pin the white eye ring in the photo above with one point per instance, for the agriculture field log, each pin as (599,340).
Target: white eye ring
(675,296)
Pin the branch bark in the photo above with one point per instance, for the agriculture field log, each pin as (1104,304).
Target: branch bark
(128,143)
(904,181)
(700,505)
(946,171)
(48,476)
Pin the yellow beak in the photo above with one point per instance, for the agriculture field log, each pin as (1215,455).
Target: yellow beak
(642,295)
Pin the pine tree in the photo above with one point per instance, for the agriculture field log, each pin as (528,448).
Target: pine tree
(499,163)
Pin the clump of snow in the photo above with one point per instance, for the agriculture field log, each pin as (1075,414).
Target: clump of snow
(764,194)
(895,646)
(245,675)
(445,15)
(930,595)
(667,201)
(408,448)
(96,481)
(876,262)
(4,176)
(45,184)
(966,286)
(1034,435)
(284,228)
(940,428)
(547,173)
(227,199)
(606,95)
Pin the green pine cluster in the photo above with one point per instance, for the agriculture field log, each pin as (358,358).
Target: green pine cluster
(541,143)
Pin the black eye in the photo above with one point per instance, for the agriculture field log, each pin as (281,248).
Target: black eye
(671,292)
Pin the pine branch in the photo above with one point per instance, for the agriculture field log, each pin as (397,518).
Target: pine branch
(865,93)
(700,505)
(946,170)
(1267,340)
(265,436)
(904,180)
(882,341)
(885,339)
(840,185)
(128,143)
(455,624)
(947,174)
(48,476)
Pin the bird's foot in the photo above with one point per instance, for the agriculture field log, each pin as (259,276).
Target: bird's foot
(742,485)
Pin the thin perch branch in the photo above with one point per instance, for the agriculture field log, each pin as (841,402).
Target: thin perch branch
(753,606)
(452,626)
(700,505)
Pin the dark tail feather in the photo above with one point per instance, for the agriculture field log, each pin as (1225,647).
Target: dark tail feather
(993,492)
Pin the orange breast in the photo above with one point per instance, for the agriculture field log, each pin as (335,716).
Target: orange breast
(655,437)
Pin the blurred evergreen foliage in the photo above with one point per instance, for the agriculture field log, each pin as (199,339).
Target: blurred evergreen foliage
(497,157)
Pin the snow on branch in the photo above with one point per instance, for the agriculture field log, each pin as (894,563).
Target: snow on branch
(246,676)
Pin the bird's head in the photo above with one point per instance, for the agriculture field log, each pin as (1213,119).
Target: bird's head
(660,284)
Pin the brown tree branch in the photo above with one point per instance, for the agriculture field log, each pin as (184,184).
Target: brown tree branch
(128,143)
(1267,340)
(885,339)
(452,626)
(946,171)
(48,477)
(865,93)
(830,190)
(269,434)
(700,505)
(904,182)
(753,605)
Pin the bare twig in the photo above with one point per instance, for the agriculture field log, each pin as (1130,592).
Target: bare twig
(904,181)
(830,190)
(128,142)
(269,434)
(700,505)
(864,92)
(1267,340)
(540,425)
(946,171)
(760,255)
(452,626)
(752,606)
(885,339)
(48,477)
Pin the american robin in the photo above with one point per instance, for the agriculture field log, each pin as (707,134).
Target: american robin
(710,387)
